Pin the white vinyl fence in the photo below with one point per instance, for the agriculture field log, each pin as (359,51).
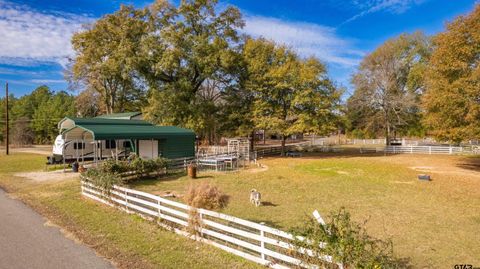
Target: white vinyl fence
(253,241)
(419,150)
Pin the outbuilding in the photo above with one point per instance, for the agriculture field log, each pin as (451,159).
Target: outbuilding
(102,137)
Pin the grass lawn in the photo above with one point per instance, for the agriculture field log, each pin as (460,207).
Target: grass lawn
(436,224)
(128,240)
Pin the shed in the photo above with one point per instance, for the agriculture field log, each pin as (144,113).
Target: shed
(119,136)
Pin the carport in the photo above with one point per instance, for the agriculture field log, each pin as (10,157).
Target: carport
(146,140)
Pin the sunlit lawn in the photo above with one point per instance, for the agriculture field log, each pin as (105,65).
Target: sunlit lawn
(436,224)
(127,239)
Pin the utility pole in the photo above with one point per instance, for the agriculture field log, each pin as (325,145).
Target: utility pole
(6,118)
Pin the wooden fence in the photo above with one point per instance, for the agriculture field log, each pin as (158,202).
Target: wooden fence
(253,241)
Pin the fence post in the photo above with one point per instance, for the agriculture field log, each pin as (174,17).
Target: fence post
(200,217)
(430,150)
(159,210)
(450,150)
(262,242)
(126,200)
(411,149)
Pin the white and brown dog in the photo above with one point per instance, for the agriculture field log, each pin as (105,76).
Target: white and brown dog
(255,197)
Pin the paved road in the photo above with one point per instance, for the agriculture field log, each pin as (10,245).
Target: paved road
(26,243)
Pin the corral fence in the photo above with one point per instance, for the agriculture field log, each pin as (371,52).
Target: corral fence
(451,150)
(253,241)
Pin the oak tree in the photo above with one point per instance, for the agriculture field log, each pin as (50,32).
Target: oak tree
(452,99)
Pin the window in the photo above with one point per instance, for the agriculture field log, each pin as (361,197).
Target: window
(78,145)
(110,144)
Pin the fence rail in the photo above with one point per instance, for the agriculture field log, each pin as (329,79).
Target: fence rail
(450,150)
(253,241)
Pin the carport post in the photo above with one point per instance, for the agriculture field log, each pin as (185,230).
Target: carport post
(116,150)
(83,146)
(63,151)
(95,151)
(76,151)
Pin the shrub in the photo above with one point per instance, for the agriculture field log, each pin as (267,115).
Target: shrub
(115,167)
(347,242)
(205,196)
(103,180)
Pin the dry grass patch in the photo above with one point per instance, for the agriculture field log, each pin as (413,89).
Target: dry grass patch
(434,223)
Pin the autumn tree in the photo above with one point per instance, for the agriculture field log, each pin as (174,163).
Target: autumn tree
(291,95)
(187,48)
(107,59)
(452,99)
(88,104)
(388,86)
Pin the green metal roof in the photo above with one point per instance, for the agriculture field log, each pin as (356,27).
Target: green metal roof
(102,129)
(124,115)
(134,132)
(102,121)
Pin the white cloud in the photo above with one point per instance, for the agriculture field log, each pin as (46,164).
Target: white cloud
(47,81)
(372,6)
(306,38)
(30,37)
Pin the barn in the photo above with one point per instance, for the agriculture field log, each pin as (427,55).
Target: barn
(104,137)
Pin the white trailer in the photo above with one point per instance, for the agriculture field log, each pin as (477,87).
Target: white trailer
(78,150)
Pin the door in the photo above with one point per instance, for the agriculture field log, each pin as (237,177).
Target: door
(148,149)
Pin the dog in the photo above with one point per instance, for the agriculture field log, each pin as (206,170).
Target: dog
(255,197)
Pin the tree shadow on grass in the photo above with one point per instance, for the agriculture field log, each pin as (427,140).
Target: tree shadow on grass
(202,177)
(470,163)
(150,181)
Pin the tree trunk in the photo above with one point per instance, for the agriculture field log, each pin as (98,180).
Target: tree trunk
(387,135)
(284,138)
(252,141)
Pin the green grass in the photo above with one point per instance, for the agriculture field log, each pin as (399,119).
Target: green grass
(128,240)
(435,224)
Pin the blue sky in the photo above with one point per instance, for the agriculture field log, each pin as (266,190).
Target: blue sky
(35,35)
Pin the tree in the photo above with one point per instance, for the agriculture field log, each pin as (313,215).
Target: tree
(291,95)
(88,104)
(22,133)
(49,113)
(107,59)
(26,105)
(187,48)
(452,99)
(388,85)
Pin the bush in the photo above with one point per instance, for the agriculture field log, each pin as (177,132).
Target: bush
(111,172)
(115,167)
(347,242)
(205,196)
(102,179)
